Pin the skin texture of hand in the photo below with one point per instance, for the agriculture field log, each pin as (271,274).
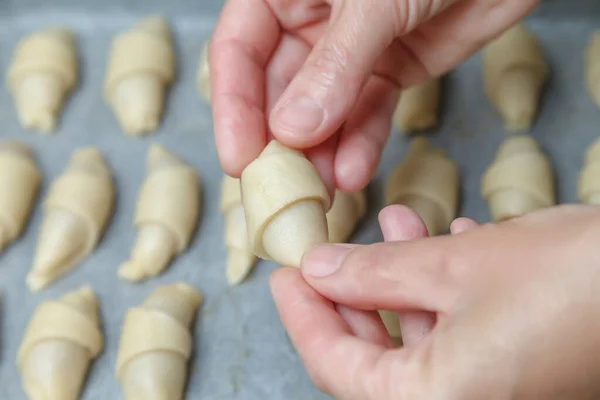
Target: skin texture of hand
(322,75)
(516,310)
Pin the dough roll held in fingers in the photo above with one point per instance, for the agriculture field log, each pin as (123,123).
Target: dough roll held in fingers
(418,107)
(59,344)
(20,179)
(166,215)
(240,258)
(345,213)
(156,344)
(519,181)
(514,73)
(285,202)
(43,71)
(592,67)
(392,324)
(588,187)
(203,74)
(426,181)
(141,65)
(77,208)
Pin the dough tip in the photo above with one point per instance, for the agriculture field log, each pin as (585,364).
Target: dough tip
(131,271)
(87,156)
(239,265)
(63,34)
(16,147)
(156,24)
(41,120)
(192,294)
(515,145)
(37,282)
(159,156)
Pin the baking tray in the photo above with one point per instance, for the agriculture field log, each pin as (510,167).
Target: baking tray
(241,350)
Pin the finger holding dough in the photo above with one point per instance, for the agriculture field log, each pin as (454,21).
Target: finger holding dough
(166,215)
(62,339)
(43,71)
(156,344)
(285,202)
(141,65)
(77,208)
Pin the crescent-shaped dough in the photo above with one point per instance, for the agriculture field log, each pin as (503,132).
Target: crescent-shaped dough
(514,72)
(61,340)
(42,73)
(589,180)
(20,179)
(140,67)
(240,259)
(519,180)
(156,344)
(427,182)
(76,211)
(166,215)
(592,67)
(285,203)
(418,107)
(203,74)
(347,209)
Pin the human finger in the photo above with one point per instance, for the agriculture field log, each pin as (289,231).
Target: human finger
(240,47)
(325,90)
(422,274)
(461,225)
(364,135)
(339,363)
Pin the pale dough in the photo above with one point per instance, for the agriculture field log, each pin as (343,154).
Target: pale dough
(76,210)
(20,180)
(240,259)
(519,181)
(592,67)
(514,72)
(166,215)
(61,340)
(392,324)
(285,203)
(426,181)
(418,107)
(347,209)
(589,180)
(43,71)
(140,67)
(156,344)
(203,74)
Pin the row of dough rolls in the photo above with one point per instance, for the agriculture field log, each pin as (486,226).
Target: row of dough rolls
(64,336)
(79,204)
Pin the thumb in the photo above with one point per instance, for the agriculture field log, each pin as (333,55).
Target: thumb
(394,276)
(322,94)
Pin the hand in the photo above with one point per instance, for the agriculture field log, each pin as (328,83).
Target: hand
(320,75)
(515,307)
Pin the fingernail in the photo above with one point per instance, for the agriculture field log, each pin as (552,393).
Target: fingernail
(324,260)
(301,115)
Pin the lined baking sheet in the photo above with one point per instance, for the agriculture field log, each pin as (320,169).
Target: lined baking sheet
(241,352)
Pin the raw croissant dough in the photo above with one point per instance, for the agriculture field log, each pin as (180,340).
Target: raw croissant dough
(347,209)
(42,73)
(76,210)
(19,185)
(592,65)
(427,182)
(140,66)
(418,107)
(589,179)
(156,344)
(166,215)
(519,180)
(203,76)
(285,203)
(514,71)
(240,259)
(61,340)
(392,324)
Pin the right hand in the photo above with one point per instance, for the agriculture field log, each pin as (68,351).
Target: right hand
(323,75)
(516,309)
